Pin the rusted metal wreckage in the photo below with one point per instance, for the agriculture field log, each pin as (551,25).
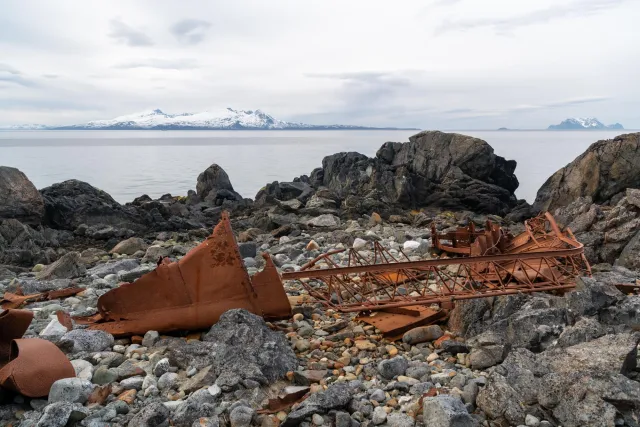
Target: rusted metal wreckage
(193,292)
(403,294)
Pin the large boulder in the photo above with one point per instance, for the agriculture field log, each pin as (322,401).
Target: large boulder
(71,203)
(606,169)
(239,347)
(214,184)
(23,245)
(19,198)
(438,169)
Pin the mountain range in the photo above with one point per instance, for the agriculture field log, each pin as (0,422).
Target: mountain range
(220,119)
(588,123)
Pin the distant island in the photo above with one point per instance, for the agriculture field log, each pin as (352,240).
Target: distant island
(588,123)
(221,119)
(504,129)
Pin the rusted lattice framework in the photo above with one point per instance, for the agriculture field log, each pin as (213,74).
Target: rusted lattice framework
(541,259)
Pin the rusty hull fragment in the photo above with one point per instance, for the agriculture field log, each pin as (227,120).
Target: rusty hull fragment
(16,300)
(542,259)
(193,292)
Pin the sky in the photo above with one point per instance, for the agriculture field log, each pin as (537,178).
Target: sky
(429,64)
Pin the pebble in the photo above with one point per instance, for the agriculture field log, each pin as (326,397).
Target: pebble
(317,419)
(379,415)
(365,345)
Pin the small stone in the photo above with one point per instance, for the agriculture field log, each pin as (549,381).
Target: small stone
(393,367)
(298,317)
(214,390)
(432,357)
(313,246)
(379,415)
(392,350)
(89,340)
(531,421)
(161,368)
(422,334)
(411,245)
(359,243)
(104,375)
(128,396)
(134,383)
(71,390)
(365,345)
(446,411)
(241,416)
(375,219)
(378,395)
(151,415)
(167,381)
(150,338)
(317,419)
(83,369)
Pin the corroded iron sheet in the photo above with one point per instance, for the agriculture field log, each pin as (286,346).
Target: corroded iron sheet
(193,292)
(28,366)
(395,322)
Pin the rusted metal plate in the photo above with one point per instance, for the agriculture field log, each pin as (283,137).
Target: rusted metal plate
(291,396)
(12,301)
(28,366)
(394,324)
(193,292)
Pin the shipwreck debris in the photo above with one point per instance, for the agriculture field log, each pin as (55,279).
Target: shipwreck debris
(542,259)
(193,292)
(16,300)
(28,366)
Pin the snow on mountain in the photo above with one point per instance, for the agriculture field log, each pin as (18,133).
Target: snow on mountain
(584,123)
(25,127)
(225,118)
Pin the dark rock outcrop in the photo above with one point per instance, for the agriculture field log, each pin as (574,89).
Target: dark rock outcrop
(23,245)
(71,203)
(436,169)
(19,198)
(214,184)
(607,168)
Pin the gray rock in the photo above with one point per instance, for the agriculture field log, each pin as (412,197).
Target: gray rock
(89,340)
(130,246)
(136,273)
(500,401)
(241,416)
(133,383)
(336,396)
(67,267)
(240,346)
(59,413)
(103,375)
(247,249)
(585,329)
(324,221)
(378,395)
(193,409)
(150,338)
(20,199)
(422,334)
(156,252)
(625,313)
(446,411)
(71,390)
(214,183)
(392,368)
(83,369)
(629,257)
(162,367)
(487,356)
(379,415)
(154,414)
(398,419)
(168,381)
(113,267)
(605,169)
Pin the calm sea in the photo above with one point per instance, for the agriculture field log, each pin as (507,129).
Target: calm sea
(127,164)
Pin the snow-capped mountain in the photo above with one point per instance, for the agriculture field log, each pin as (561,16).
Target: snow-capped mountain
(219,119)
(584,123)
(25,127)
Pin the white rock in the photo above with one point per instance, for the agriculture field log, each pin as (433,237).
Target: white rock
(54,328)
(411,245)
(359,243)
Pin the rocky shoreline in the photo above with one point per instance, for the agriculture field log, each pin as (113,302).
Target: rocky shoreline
(534,360)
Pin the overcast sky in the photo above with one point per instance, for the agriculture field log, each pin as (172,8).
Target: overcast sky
(431,64)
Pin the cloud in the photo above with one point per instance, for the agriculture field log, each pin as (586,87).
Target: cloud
(190,31)
(123,33)
(503,26)
(162,64)
(11,75)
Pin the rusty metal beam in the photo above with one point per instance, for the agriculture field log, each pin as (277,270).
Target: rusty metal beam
(542,259)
